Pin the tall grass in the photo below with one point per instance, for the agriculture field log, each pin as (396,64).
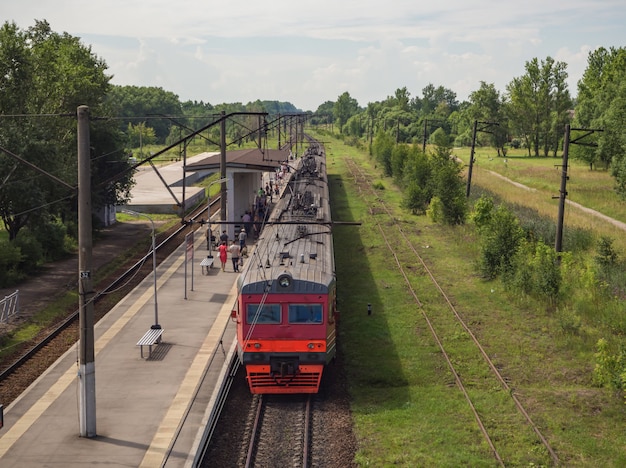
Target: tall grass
(406,408)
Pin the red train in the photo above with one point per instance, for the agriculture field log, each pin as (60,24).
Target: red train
(287,309)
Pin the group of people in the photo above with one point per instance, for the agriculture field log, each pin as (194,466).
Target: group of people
(252,221)
(237,250)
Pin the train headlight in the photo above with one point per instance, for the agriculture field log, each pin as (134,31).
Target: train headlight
(257,345)
(311,345)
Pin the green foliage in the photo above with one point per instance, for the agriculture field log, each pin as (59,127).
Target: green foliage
(435,210)
(546,274)
(31,249)
(140,135)
(606,255)
(44,72)
(399,156)
(534,271)
(10,258)
(483,212)
(416,198)
(500,240)
(344,108)
(569,321)
(378,185)
(52,236)
(610,368)
(448,185)
(539,104)
(602,104)
(382,149)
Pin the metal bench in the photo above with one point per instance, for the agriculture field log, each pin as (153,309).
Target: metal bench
(149,339)
(206,264)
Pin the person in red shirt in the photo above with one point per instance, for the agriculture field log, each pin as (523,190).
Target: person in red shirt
(223,255)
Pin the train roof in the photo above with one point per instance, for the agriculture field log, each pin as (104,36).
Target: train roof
(296,244)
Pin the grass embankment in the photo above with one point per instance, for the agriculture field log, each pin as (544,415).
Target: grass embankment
(407,409)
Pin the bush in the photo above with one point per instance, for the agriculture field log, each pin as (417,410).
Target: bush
(499,243)
(51,236)
(483,212)
(10,257)
(416,198)
(31,251)
(610,369)
(607,255)
(435,210)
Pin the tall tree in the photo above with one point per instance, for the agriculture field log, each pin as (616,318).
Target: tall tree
(487,105)
(344,108)
(149,104)
(538,104)
(46,76)
(602,104)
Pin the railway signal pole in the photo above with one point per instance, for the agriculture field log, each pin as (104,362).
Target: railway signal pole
(87,369)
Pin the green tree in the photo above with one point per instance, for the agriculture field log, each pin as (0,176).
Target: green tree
(153,105)
(51,74)
(417,181)
(602,104)
(487,105)
(382,149)
(447,180)
(539,104)
(499,243)
(344,108)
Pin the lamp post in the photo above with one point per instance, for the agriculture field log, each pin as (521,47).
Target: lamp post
(208,208)
(154,264)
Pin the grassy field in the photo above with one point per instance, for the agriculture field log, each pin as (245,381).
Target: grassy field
(592,189)
(406,407)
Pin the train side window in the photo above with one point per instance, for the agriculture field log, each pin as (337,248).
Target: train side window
(266,313)
(305,313)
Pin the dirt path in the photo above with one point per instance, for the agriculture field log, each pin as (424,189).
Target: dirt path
(597,214)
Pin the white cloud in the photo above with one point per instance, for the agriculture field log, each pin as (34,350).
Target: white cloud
(307,52)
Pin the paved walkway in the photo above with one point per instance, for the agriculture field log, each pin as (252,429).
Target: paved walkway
(149,412)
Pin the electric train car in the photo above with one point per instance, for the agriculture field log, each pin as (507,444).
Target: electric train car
(286,310)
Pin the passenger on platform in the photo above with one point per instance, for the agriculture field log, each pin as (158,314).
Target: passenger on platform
(224,237)
(247,221)
(235,251)
(223,255)
(242,239)
(209,239)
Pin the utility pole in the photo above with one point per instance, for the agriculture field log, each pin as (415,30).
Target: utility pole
(483,128)
(558,243)
(471,160)
(222,168)
(87,369)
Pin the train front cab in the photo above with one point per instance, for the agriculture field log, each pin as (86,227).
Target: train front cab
(285,340)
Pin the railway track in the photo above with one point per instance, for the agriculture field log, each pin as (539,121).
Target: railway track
(364,186)
(16,376)
(280,434)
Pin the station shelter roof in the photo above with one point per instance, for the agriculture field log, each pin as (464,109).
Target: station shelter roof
(250,159)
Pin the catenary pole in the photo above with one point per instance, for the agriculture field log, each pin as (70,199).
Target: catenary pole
(471,160)
(87,371)
(222,168)
(558,244)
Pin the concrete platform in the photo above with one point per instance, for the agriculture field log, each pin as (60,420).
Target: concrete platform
(151,195)
(148,411)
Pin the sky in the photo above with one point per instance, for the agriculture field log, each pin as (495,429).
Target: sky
(308,52)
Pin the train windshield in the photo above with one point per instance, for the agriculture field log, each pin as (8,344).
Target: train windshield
(305,313)
(263,313)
